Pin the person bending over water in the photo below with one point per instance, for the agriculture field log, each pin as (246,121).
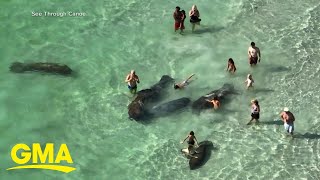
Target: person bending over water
(249,81)
(183,17)
(183,83)
(255,111)
(288,119)
(215,102)
(192,141)
(194,16)
(254,54)
(231,67)
(132,80)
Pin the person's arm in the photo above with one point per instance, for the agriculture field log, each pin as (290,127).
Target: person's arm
(137,78)
(282,116)
(184,140)
(191,13)
(196,140)
(198,14)
(249,54)
(218,104)
(128,79)
(259,54)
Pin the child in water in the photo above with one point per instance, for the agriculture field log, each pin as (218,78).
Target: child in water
(183,17)
(249,81)
(231,66)
(183,83)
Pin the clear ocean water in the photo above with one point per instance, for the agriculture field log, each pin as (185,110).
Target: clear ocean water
(88,112)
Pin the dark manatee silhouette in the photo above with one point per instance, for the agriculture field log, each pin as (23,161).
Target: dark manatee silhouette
(137,109)
(221,94)
(62,69)
(203,153)
(170,107)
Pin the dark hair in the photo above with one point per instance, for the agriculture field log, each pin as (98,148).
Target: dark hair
(215,97)
(176,86)
(231,61)
(191,133)
(178,7)
(253,44)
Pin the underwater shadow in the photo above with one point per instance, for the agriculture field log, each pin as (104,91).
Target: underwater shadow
(278,69)
(307,136)
(263,90)
(208,29)
(277,122)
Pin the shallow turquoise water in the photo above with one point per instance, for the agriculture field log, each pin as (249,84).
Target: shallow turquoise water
(88,112)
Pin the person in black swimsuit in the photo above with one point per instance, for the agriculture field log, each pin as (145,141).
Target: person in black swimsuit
(191,142)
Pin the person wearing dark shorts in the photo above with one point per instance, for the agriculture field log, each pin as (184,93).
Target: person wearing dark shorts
(191,142)
(254,54)
(132,79)
(255,111)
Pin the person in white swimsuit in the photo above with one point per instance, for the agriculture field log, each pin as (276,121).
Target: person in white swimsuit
(254,54)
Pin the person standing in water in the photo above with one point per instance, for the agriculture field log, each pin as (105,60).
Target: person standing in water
(194,16)
(254,54)
(288,119)
(215,102)
(183,17)
(132,80)
(183,83)
(192,141)
(255,111)
(177,18)
(231,67)
(249,81)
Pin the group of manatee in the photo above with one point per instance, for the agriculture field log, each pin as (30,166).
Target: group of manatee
(141,108)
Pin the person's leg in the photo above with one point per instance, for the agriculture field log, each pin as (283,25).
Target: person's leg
(134,90)
(286,127)
(250,120)
(193,26)
(291,129)
(130,88)
(257,116)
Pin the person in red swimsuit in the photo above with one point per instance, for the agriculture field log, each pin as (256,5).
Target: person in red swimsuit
(177,18)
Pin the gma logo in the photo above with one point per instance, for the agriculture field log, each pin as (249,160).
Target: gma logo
(37,154)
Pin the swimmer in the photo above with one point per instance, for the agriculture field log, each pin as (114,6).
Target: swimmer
(215,102)
(132,80)
(249,81)
(231,67)
(254,54)
(183,83)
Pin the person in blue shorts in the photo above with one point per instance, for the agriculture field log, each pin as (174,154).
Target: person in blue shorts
(288,119)
(132,80)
